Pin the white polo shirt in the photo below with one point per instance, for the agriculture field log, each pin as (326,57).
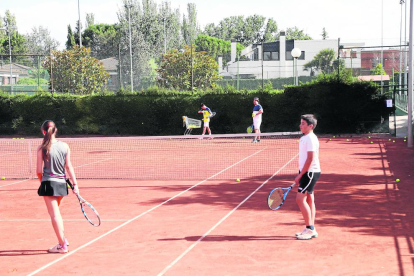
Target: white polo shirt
(307,143)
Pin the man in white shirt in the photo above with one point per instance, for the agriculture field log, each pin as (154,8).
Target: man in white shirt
(257,118)
(309,172)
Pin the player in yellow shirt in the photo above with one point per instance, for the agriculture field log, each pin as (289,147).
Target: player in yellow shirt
(206,118)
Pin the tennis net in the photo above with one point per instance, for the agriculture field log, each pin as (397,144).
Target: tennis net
(189,157)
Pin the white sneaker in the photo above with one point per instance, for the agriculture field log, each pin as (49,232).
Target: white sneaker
(315,234)
(300,233)
(58,249)
(307,234)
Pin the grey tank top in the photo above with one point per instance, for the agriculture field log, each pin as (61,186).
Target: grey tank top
(54,169)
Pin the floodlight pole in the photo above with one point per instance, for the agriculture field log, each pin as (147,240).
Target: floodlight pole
(399,73)
(410,81)
(130,46)
(11,64)
(79,22)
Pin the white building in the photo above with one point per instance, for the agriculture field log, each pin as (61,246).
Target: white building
(275,59)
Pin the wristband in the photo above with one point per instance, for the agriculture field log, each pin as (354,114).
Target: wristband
(39,175)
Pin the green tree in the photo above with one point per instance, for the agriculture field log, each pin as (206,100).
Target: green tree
(103,39)
(295,33)
(215,47)
(175,69)
(190,28)
(254,28)
(147,36)
(70,42)
(75,71)
(40,42)
(378,70)
(324,34)
(321,62)
(90,19)
(18,41)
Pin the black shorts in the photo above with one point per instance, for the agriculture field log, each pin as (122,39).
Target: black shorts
(52,188)
(308,181)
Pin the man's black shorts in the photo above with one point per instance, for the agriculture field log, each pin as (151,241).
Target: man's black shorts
(308,181)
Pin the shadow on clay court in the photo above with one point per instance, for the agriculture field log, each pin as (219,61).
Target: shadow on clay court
(16,253)
(217,238)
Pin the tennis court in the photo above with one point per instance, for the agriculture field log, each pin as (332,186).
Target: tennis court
(173,207)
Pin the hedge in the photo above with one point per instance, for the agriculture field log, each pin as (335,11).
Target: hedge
(251,84)
(340,108)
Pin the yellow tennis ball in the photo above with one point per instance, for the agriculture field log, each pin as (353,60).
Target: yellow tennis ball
(369,137)
(333,136)
(405,140)
(397,180)
(372,142)
(3,178)
(238,180)
(393,141)
(347,139)
(330,139)
(389,139)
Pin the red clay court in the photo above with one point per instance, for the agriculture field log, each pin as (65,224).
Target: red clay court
(197,220)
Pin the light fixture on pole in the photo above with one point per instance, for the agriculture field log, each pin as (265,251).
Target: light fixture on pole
(10,53)
(296,52)
(130,45)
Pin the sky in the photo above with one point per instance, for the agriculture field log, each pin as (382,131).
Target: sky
(373,22)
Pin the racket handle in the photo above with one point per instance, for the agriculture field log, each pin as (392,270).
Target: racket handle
(69,183)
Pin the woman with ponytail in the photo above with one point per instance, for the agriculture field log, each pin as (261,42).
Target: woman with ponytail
(53,163)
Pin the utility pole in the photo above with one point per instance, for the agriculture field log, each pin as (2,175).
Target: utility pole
(262,62)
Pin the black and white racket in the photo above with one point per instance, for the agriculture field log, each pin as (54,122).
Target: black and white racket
(87,209)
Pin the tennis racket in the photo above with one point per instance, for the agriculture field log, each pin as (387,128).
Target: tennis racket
(278,196)
(88,211)
(211,115)
(250,129)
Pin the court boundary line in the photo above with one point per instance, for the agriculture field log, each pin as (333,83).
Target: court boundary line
(73,167)
(138,216)
(15,183)
(220,221)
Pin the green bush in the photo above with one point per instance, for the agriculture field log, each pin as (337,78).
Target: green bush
(340,107)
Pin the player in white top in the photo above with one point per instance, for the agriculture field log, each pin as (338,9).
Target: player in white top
(309,172)
(257,118)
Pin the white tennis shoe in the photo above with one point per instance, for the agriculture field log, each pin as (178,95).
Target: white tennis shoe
(58,249)
(307,234)
(315,234)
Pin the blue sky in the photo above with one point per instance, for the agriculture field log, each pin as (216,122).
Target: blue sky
(350,20)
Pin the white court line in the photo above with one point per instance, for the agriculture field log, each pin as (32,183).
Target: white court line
(73,167)
(137,217)
(93,163)
(14,183)
(218,223)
